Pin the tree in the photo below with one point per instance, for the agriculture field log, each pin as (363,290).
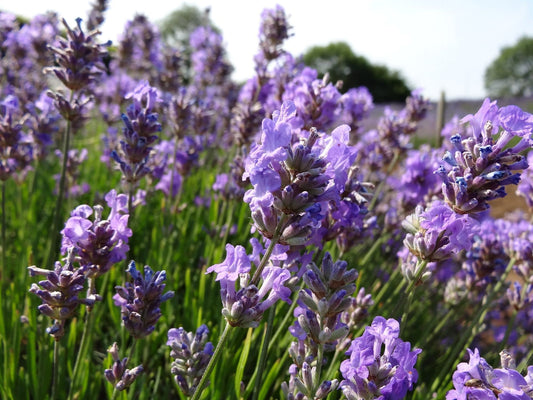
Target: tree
(176,28)
(341,63)
(511,74)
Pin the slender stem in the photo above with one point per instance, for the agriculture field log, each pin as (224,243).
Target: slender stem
(61,194)
(508,329)
(3,229)
(264,351)
(81,352)
(87,323)
(218,351)
(268,252)
(55,374)
(421,267)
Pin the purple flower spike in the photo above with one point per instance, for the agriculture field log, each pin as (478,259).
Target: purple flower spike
(381,365)
(141,299)
(477,379)
(120,377)
(59,293)
(483,163)
(191,353)
(245,306)
(437,232)
(100,243)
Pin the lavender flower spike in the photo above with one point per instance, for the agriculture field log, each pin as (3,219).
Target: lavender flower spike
(120,377)
(141,299)
(482,164)
(381,365)
(59,293)
(191,353)
(245,306)
(477,379)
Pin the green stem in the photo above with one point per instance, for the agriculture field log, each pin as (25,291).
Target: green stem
(421,267)
(55,374)
(3,230)
(58,216)
(264,351)
(212,362)
(266,256)
(87,324)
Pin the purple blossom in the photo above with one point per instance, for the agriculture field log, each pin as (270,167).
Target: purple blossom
(100,243)
(118,375)
(60,293)
(191,353)
(245,304)
(482,164)
(381,365)
(477,379)
(140,301)
(140,128)
(437,232)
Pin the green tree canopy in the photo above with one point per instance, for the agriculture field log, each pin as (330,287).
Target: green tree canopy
(511,74)
(176,28)
(343,64)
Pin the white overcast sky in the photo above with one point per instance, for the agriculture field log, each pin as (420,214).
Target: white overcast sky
(437,45)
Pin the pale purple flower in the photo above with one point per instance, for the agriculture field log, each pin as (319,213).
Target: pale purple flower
(437,232)
(99,243)
(243,303)
(481,165)
(381,365)
(477,379)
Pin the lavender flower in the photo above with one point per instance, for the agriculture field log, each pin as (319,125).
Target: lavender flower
(141,299)
(120,377)
(295,182)
(437,232)
(525,187)
(319,326)
(191,353)
(15,147)
(477,379)
(140,125)
(246,305)
(481,165)
(59,293)
(101,243)
(381,365)
(79,58)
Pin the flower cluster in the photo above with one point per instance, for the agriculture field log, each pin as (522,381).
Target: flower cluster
(140,128)
(100,243)
(120,377)
(140,300)
(319,326)
(437,232)
(60,293)
(15,148)
(245,306)
(292,184)
(191,353)
(483,163)
(381,365)
(477,379)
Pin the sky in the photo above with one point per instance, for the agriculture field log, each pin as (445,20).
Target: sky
(436,45)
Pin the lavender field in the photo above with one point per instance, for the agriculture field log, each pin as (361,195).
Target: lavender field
(170,233)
